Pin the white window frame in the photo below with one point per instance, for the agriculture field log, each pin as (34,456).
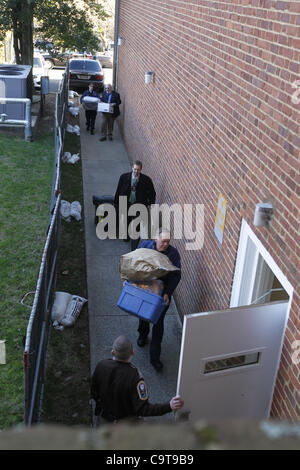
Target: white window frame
(246,234)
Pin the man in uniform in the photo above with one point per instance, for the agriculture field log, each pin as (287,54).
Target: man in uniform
(120,391)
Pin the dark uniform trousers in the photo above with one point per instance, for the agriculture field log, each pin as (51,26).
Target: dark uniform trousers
(90,116)
(157,334)
(171,281)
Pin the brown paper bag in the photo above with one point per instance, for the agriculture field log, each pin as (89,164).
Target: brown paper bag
(144,264)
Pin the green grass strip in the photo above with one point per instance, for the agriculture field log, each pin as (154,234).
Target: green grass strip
(25,176)
(67,390)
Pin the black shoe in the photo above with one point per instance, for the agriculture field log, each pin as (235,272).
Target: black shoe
(158,365)
(141,341)
(87,128)
(92,131)
(102,139)
(110,137)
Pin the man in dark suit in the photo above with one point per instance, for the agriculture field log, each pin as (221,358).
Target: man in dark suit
(138,188)
(108,119)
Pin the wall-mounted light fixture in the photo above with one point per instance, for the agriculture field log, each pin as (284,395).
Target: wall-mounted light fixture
(149,77)
(120,40)
(263,214)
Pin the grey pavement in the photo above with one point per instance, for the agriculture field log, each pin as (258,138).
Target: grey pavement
(102,164)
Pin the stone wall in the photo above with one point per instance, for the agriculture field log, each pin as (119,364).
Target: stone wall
(234,435)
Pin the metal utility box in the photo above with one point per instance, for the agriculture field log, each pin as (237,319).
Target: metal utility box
(15,82)
(45,85)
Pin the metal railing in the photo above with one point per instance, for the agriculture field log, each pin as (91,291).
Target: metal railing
(38,330)
(61,105)
(36,344)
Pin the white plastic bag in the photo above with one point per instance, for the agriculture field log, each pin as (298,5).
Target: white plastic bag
(73,129)
(74,111)
(73,93)
(57,326)
(68,210)
(69,128)
(73,310)
(76,129)
(76,210)
(68,158)
(60,305)
(65,210)
(75,157)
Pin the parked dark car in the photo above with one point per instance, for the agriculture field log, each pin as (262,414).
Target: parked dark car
(84,71)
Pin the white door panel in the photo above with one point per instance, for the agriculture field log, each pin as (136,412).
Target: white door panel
(251,334)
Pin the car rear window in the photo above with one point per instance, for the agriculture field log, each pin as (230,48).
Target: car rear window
(85,65)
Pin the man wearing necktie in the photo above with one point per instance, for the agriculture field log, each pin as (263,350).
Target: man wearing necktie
(138,188)
(134,182)
(108,119)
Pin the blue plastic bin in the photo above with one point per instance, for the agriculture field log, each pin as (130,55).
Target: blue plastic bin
(142,303)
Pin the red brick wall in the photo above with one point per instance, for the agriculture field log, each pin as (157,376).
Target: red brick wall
(220,118)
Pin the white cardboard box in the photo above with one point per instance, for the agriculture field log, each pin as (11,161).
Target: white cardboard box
(105,108)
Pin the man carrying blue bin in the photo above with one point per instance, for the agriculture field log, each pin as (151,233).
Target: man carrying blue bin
(161,243)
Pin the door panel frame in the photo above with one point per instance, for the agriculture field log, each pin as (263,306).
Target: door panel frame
(196,352)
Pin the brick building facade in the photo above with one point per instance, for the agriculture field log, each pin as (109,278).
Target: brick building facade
(222,116)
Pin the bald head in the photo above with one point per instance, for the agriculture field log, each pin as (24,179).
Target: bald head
(162,239)
(122,348)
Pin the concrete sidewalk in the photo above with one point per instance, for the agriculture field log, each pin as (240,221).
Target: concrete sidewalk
(102,165)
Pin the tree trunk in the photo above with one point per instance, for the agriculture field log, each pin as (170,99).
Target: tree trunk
(16,43)
(103,39)
(22,16)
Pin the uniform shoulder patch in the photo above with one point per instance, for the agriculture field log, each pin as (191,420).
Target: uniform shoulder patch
(142,390)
